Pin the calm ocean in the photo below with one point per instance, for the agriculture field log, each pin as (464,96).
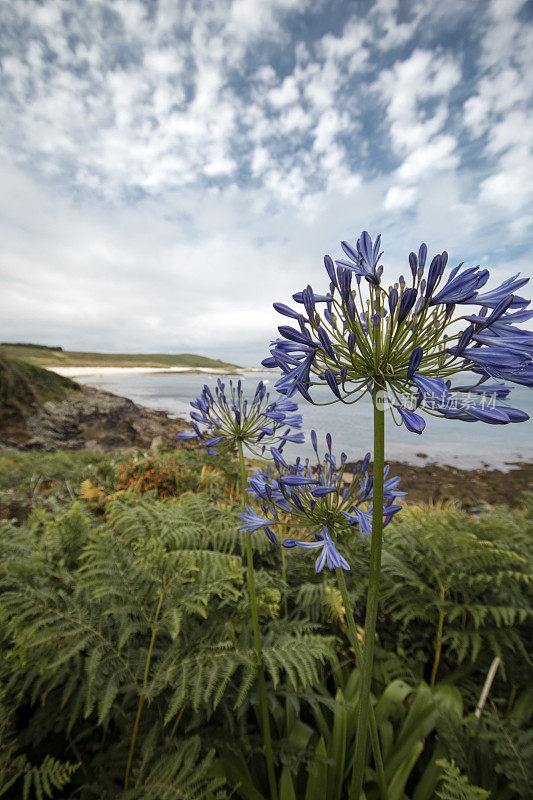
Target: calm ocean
(460,444)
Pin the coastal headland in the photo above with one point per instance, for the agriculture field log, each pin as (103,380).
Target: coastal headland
(70,362)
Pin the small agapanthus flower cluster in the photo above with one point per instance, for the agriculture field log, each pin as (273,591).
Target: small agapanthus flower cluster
(230,418)
(319,499)
(407,340)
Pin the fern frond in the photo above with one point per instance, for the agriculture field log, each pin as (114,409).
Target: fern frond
(454,786)
(181,775)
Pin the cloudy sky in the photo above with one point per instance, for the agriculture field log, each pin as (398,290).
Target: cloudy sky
(169,168)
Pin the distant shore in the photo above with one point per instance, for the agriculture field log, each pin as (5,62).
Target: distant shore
(57,360)
(82,372)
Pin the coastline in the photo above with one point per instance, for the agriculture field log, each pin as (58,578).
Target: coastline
(171,389)
(83,372)
(96,418)
(104,421)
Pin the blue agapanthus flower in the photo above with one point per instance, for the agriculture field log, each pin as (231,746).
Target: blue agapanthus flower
(328,552)
(327,498)
(408,340)
(224,418)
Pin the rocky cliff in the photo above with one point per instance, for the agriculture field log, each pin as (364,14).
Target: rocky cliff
(39,409)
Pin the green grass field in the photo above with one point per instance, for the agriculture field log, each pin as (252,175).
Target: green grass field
(56,357)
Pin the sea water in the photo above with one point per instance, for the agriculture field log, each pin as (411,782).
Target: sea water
(461,444)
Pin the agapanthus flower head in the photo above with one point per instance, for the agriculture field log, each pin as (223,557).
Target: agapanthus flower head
(224,417)
(318,498)
(409,339)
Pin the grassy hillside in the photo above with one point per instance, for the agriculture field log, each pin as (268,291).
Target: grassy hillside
(56,357)
(23,385)
(23,388)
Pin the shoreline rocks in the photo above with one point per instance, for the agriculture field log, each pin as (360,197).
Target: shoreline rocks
(95,419)
(468,488)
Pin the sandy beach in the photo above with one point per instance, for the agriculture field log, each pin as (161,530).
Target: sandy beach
(82,372)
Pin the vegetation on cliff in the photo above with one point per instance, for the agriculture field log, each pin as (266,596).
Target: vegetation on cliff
(23,387)
(57,357)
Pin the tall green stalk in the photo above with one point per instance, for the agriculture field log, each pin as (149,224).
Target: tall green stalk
(371,605)
(374,737)
(257,644)
(141,698)
(284,579)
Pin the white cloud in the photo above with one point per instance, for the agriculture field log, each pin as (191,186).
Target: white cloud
(500,111)
(400,198)
(252,18)
(392,32)
(321,83)
(476,111)
(260,160)
(327,130)
(511,185)
(294,119)
(133,14)
(438,154)
(416,128)
(285,94)
(407,86)
(350,47)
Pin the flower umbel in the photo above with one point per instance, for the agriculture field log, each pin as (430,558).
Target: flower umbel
(318,498)
(223,420)
(408,340)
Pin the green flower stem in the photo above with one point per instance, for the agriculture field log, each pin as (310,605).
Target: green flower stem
(374,737)
(257,643)
(142,697)
(284,579)
(371,605)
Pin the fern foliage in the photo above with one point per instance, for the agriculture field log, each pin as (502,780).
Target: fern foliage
(116,606)
(472,572)
(150,603)
(454,786)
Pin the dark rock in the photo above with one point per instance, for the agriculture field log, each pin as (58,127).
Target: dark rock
(96,419)
(466,488)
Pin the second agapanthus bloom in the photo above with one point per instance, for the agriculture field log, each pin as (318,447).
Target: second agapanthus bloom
(225,419)
(319,499)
